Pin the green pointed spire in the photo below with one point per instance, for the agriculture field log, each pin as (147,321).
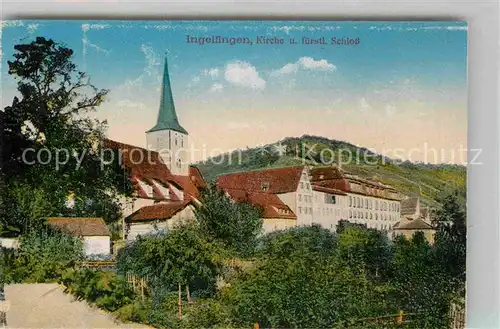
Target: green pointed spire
(167,117)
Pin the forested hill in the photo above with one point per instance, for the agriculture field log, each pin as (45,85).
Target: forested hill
(426,180)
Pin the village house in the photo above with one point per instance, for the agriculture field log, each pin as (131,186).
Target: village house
(93,232)
(414,218)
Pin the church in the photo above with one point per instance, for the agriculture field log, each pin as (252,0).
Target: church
(165,187)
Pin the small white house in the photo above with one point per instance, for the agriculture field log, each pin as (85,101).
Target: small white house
(93,232)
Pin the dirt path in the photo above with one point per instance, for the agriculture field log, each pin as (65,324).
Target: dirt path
(47,306)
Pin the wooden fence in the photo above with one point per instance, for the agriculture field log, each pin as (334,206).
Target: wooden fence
(457,315)
(97,264)
(140,285)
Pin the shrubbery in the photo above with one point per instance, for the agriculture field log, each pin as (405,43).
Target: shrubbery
(104,289)
(43,255)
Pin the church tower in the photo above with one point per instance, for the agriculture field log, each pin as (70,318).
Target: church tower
(168,137)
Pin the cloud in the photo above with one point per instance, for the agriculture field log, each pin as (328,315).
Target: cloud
(195,79)
(364,106)
(127,103)
(152,61)
(214,72)
(236,125)
(243,74)
(11,23)
(87,43)
(390,109)
(216,87)
(32,28)
(305,63)
(151,71)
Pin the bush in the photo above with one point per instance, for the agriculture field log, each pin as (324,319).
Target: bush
(104,289)
(44,254)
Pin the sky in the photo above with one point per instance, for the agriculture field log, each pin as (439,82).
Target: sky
(403,86)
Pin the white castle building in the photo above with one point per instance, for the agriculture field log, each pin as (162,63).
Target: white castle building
(299,196)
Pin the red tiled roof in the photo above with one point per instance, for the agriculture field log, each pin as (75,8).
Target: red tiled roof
(271,204)
(333,177)
(328,190)
(277,180)
(141,162)
(324,173)
(197,177)
(80,226)
(163,210)
(147,165)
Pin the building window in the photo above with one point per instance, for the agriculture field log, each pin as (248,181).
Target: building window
(300,210)
(301,185)
(310,210)
(371,216)
(308,186)
(366,203)
(182,142)
(350,201)
(179,163)
(376,216)
(265,187)
(300,197)
(331,199)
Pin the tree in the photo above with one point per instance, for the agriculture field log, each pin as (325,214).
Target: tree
(419,284)
(451,234)
(235,224)
(181,258)
(365,248)
(299,282)
(49,142)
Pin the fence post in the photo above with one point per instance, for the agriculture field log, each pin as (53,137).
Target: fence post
(400,317)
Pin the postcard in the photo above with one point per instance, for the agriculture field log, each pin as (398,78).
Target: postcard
(233,174)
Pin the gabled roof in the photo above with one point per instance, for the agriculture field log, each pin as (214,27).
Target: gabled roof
(159,211)
(328,190)
(146,165)
(273,180)
(271,204)
(412,224)
(335,178)
(80,226)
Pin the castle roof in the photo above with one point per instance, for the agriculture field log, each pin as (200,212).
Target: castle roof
(271,204)
(167,116)
(272,180)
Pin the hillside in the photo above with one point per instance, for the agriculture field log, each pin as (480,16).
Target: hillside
(409,178)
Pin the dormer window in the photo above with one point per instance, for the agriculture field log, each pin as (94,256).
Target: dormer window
(265,186)
(321,176)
